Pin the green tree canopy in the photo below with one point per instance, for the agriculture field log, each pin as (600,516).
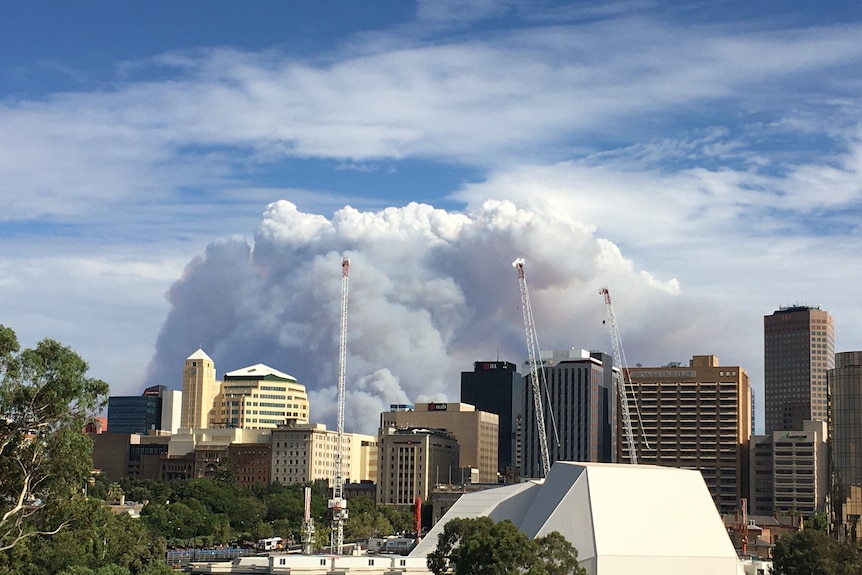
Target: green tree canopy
(478,546)
(46,399)
(812,552)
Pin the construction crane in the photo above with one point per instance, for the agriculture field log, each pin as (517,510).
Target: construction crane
(533,358)
(338,504)
(307,525)
(620,362)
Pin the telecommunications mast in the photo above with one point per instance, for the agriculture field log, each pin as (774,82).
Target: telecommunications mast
(338,504)
(533,358)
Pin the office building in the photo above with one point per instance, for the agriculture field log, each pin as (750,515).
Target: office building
(799,347)
(305,452)
(845,384)
(136,414)
(412,462)
(497,387)
(790,471)
(155,412)
(260,397)
(200,388)
(695,417)
(579,410)
(476,431)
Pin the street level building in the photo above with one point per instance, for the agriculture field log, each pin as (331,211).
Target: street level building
(790,471)
(696,417)
(579,405)
(477,432)
(799,348)
(497,387)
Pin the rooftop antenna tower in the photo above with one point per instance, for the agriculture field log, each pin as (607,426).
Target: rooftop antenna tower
(533,358)
(338,504)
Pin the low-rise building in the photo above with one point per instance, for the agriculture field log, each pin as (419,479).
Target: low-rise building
(477,432)
(412,462)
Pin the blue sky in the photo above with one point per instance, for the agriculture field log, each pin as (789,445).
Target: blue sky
(702,159)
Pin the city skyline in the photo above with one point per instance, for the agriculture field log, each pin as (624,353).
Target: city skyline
(177,176)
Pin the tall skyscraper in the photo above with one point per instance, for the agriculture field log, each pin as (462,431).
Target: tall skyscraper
(845,384)
(579,412)
(799,347)
(497,387)
(696,417)
(199,391)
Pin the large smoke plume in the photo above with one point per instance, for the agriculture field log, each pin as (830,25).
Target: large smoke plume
(431,292)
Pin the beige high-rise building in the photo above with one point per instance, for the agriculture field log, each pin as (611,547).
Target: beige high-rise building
(477,432)
(303,452)
(695,417)
(200,389)
(799,348)
(260,397)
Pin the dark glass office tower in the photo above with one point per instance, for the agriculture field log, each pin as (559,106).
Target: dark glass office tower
(136,414)
(497,387)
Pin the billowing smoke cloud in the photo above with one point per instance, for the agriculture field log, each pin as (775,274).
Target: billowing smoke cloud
(431,292)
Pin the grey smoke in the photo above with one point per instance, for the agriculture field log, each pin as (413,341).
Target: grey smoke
(431,292)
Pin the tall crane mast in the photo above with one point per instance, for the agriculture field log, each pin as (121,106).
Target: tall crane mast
(533,358)
(620,361)
(338,504)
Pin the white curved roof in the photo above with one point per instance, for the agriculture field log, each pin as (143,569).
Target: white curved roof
(259,370)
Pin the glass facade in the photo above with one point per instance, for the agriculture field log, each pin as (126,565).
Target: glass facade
(799,347)
(845,384)
(134,414)
(497,387)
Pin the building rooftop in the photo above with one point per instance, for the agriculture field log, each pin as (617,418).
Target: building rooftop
(200,354)
(259,371)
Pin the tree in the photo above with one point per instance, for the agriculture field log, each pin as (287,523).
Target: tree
(45,458)
(95,541)
(556,556)
(812,552)
(479,546)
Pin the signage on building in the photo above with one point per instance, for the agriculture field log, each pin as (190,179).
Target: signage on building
(790,435)
(437,406)
(653,374)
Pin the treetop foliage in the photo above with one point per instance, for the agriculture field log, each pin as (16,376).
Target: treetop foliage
(478,546)
(46,399)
